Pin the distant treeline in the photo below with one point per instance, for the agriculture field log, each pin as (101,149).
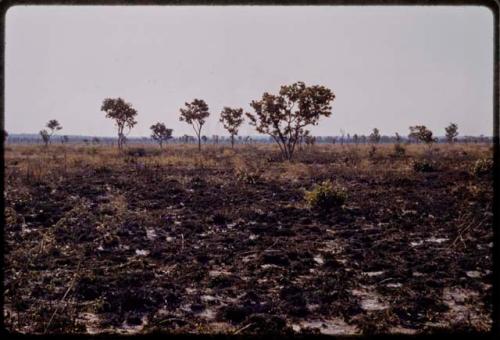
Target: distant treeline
(224,140)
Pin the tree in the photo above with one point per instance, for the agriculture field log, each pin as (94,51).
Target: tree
(123,113)
(231,119)
(355,139)
(64,139)
(451,132)
(309,140)
(342,134)
(375,136)
(284,116)
(45,137)
(96,140)
(422,134)
(195,114)
(53,126)
(160,133)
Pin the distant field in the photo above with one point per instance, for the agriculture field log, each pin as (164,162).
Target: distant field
(174,240)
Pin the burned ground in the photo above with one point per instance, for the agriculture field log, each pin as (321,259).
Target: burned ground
(224,242)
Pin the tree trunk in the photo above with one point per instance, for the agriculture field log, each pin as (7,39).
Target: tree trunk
(199,143)
(232,141)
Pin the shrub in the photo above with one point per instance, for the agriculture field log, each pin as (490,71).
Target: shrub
(136,152)
(248,176)
(102,169)
(482,167)
(399,150)
(92,151)
(326,196)
(424,166)
(142,152)
(372,151)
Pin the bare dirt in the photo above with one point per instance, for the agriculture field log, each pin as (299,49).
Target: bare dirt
(141,244)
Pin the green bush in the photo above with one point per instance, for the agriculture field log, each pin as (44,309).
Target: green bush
(424,166)
(142,152)
(482,167)
(399,150)
(92,151)
(326,196)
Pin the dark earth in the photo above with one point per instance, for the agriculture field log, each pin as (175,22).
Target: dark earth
(224,242)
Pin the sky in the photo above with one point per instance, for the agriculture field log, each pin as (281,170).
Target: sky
(389,67)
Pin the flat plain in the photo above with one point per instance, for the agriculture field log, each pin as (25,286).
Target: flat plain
(179,241)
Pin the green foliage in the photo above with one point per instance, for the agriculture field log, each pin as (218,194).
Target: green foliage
(123,113)
(285,116)
(195,114)
(231,119)
(142,152)
(45,137)
(372,151)
(424,166)
(451,132)
(248,176)
(421,133)
(399,150)
(375,136)
(160,133)
(326,196)
(482,167)
(93,151)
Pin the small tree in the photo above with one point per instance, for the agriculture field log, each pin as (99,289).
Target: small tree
(451,132)
(231,119)
(195,114)
(96,141)
(375,136)
(422,134)
(342,135)
(160,133)
(53,126)
(64,139)
(309,140)
(399,150)
(124,115)
(284,116)
(45,137)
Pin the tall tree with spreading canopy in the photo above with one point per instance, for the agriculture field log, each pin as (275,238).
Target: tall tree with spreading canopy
(195,114)
(231,119)
(284,116)
(124,115)
(160,133)
(451,132)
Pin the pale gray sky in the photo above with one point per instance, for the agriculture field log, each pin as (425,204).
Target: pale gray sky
(390,67)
